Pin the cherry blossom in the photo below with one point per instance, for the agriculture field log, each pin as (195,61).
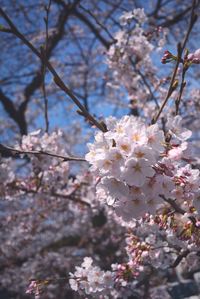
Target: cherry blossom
(131,214)
(194,57)
(91,278)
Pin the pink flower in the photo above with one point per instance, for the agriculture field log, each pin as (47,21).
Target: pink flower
(33,288)
(194,57)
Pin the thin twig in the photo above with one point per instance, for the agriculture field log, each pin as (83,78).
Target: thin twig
(172,86)
(193,19)
(182,86)
(97,21)
(173,204)
(180,49)
(70,197)
(179,210)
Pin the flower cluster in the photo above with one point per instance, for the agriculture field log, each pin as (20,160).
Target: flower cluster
(34,288)
(130,60)
(44,167)
(137,168)
(130,49)
(36,141)
(91,279)
(136,210)
(137,14)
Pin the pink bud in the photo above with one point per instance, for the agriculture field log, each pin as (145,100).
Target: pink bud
(197,54)
(190,56)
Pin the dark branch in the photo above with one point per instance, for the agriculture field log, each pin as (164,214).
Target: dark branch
(95,31)
(15,114)
(53,41)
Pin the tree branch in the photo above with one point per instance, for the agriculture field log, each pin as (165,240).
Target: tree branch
(59,82)
(4,149)
(14,113)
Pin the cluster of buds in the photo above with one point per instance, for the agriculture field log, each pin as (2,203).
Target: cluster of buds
(191,58)
(167,57)
(34,288)
(124,273)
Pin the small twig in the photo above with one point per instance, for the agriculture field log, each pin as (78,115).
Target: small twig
(46,280)
(97,21)
(4,148)
(179,258)
(179,210)
(70,197)
(182,86)
(193,19)
(180,49)
(5,29)
(173,204)
(172,86)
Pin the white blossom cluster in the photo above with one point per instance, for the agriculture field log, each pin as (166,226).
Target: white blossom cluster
(130,57)
(137,14)
(91,279)
(36,141)
(44,166)
(137,168)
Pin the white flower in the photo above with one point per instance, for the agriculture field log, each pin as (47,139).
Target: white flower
(145,152)
(131,208)
(176,153)
(175,127)
(91,279)
(126,17)
(139,15)
(155,138)
(103,195)
(123,144)
(136,171)
(192,178)
(87,262)
(153,203)
(164,185)
(116,188)
(73,284)
(137,133)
